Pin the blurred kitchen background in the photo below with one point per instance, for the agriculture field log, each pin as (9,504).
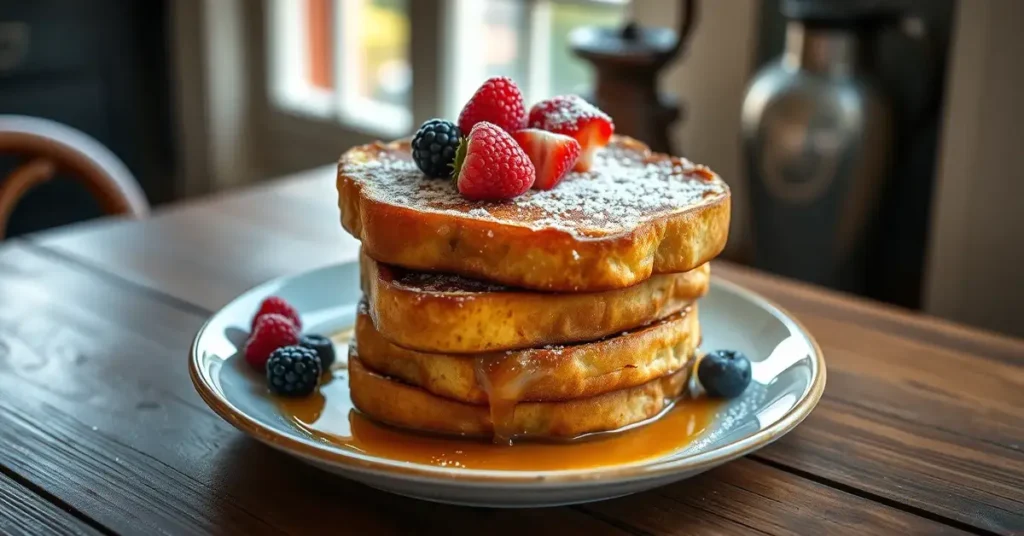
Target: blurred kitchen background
(872,146)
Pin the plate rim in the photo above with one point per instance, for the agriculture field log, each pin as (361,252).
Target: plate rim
(335,457)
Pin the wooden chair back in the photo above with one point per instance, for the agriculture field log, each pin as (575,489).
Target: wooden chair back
(46,148)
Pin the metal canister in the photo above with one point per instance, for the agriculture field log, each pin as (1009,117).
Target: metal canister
(817,133)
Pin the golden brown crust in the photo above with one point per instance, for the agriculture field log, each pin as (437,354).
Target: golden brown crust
(546,374)
(511,246)
(449,314)
(409,407)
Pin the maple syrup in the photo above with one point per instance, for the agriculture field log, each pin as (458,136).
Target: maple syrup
(329,415)
(504,380)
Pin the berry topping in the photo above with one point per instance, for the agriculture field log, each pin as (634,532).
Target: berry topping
(323,348)
(575,117)
(277,305)
(704,172)
(293,371)
(724,373)
(491,165)
(433,147)
(498,101)
(553,155)
(272,332)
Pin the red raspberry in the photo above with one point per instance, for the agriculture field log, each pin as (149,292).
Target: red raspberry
(272,331)
(573,116)
(492,166)
(277,305)
(498,101)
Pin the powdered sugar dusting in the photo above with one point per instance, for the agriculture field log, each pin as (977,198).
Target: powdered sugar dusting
(562,114)
(626,186)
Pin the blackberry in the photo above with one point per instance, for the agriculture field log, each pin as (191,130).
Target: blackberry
(293,371)
(323,348)
(724,373)
(433,147)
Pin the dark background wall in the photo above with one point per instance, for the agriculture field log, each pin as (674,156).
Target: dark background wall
(101,66)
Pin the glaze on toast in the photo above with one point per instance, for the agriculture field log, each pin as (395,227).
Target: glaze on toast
(444,313)
(405,406)
(635,213)
(553,373)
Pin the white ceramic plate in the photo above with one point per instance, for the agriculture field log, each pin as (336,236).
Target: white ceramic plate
(789,377)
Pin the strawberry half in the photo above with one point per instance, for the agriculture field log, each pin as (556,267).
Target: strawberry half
(553,155)
(497,101)
(572,116)
(491,166)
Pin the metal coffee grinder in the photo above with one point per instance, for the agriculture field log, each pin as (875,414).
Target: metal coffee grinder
(817,137)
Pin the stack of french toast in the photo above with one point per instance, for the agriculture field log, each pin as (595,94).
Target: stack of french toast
(554,314)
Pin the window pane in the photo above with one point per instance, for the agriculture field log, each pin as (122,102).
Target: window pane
(376,43)
(300,54)
(567,73)
(526,40)
(503,46)
(489,40)
(347,59)
(376,77)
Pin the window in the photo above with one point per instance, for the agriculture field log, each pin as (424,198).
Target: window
(348,61)
(366,41)
(526,40)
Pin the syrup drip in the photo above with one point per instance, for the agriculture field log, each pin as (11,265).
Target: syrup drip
(504,379)
(329,415)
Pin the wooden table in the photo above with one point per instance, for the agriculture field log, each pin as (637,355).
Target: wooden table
(920,431)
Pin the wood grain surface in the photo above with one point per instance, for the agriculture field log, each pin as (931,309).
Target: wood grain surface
(920,430)
(23,512)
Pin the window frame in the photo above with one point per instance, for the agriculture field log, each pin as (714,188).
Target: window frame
(294,139)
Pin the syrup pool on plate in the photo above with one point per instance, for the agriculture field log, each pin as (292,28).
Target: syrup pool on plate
(328,414)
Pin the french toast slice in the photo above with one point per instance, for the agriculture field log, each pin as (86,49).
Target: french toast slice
(398,404)
(445,313)
(552,373)
(633,214)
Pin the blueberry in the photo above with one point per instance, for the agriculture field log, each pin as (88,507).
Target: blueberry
(433,147)
(724,373)
(293,371)
(323,348)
